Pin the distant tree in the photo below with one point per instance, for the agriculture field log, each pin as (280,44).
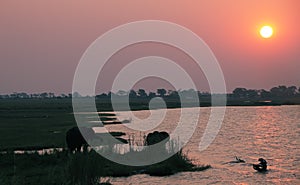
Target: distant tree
(173,94)
(291,91)
(51,95)
(240,92)
(279,91)
(102,95)
(132,94)
(13,95)
(110,94)
(21,95)
(251,93)
(189,94)
(264,94)
(142,93)
(274,91)
(152,94)
(161,92)
(5,96)
(63,95)
(44,95)
(204,94)
(246,93)
(35,95)
(76,95)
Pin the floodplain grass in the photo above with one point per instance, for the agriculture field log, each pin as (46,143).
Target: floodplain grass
(42,123)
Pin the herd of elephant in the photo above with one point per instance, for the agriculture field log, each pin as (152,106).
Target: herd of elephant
(76,141)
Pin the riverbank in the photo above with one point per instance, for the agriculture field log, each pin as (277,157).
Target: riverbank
(61,167)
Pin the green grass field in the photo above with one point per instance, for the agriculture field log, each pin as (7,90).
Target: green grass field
(34,123)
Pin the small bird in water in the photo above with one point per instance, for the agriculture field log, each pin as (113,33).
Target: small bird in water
(237,160)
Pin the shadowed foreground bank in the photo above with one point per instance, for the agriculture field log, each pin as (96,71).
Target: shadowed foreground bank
(80,168)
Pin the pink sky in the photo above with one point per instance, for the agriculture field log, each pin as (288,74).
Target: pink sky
(41,42)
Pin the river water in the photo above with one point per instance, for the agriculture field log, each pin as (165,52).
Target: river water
(271,132)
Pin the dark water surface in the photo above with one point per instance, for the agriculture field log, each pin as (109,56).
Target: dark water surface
(271,132)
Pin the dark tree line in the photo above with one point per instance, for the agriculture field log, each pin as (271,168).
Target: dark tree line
(44,95)
(275,92)
(142,94)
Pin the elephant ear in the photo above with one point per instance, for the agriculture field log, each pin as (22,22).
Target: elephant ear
(164,135)
(156,133)
(150,139)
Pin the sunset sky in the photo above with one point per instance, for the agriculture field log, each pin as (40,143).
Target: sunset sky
(41,42)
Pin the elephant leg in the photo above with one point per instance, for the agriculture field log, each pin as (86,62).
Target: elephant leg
(78,148)
(85,148)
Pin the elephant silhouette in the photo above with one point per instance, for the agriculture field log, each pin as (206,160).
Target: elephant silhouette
(156,137)
(76,141)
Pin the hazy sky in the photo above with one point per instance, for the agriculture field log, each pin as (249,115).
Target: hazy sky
(41,42)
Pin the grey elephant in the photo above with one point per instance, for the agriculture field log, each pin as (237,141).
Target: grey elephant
(156,137)
(76,141)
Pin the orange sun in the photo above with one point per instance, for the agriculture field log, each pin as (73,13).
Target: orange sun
(266,31)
